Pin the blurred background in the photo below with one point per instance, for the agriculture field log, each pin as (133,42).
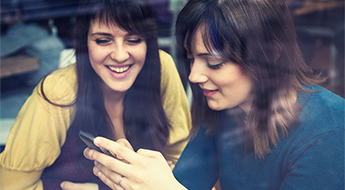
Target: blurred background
(37,32)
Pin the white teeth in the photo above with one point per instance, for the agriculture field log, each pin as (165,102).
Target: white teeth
(119,69)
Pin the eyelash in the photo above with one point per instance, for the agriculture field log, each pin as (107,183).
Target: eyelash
(215,67)
(135,41)
(102,41)
(106,41)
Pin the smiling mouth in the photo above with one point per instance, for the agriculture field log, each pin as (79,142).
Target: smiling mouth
(119,69)
(210,91)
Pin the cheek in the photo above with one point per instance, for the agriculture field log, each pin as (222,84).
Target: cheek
(235,85)
(91,51)
(96,54)
(140,53)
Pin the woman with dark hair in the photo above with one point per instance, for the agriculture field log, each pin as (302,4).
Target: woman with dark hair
(260,118)
(121,87)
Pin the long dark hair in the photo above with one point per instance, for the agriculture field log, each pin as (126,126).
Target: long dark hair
(259,36)
(145,122)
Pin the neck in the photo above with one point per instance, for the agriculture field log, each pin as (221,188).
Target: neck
(113,103)
(111,96)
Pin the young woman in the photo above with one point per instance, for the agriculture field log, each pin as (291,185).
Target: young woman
(261,120)
(121,87)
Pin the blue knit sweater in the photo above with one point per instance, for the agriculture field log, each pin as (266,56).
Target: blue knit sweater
(311,157)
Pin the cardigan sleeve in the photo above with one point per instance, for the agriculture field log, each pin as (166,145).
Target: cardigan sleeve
(176,108)
(37,134)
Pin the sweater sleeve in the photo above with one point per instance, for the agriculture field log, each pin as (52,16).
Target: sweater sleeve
(37,135)
(176,108)
(317,164)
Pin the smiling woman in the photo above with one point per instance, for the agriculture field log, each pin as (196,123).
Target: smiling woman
(121,87)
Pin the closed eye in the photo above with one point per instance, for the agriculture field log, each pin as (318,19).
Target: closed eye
(216,66)
(135,40)
(103,41)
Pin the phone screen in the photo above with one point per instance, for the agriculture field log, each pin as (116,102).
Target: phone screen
(87,138)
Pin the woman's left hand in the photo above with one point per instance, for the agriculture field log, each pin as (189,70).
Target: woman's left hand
(67,185)
(144,169)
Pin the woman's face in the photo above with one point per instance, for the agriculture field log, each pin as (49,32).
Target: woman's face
(223,82)
(116,55)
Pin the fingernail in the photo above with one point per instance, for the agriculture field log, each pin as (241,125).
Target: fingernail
(91,153)
(97,141)
(62,185)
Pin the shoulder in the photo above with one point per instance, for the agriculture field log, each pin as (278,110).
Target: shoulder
(169,73)
(164,56)
(321,117)
(323,108)
(61,85)
(167,62)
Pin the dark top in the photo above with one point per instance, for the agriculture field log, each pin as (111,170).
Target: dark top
(71,165)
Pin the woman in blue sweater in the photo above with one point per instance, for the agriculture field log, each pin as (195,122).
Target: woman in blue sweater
(260,120)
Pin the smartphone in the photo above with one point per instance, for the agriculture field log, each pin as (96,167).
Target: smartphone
(87,138)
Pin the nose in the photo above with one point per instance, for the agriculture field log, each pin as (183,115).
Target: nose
(197,73)
(119,54)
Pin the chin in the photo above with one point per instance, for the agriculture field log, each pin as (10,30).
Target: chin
(215,107)
(120,89)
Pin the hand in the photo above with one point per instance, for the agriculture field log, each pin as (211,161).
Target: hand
(144,169)
(67,185)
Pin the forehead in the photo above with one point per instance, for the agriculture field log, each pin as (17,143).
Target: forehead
(101,23)
(198,42)
(97,25)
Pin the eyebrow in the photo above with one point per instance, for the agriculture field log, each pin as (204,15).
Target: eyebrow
(101,33)
(205,54)
(108,34)
(208,54)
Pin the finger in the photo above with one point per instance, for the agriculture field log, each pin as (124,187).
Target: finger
(86,153)
(117,149)
(111,163)
(109,182)
(64,185)
(67,185)
(125,143)
(111,175)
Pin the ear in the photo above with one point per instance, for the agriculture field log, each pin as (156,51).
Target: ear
(276,51)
